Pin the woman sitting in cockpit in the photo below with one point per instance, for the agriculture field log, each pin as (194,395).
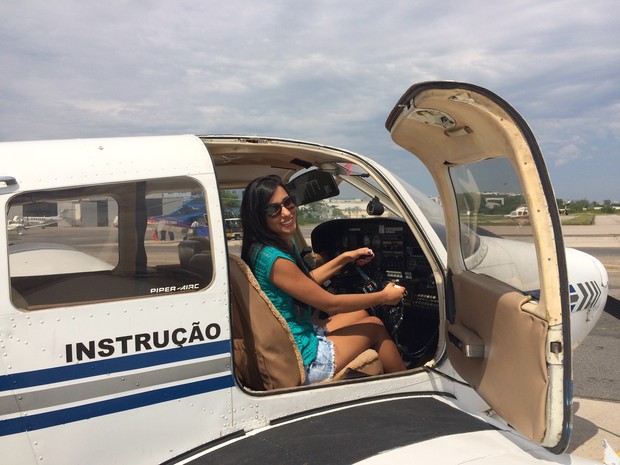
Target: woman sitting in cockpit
(268,216)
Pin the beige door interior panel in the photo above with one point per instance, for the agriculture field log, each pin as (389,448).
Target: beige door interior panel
(500,350)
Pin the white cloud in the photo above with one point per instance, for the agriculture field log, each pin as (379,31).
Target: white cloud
(319,70)
(566,154)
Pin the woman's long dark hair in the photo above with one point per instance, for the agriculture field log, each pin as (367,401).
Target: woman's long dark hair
(254,219)
(256,233)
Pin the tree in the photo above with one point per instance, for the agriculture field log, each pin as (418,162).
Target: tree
(317,212)
(607,207)
(231,203)
(580,205)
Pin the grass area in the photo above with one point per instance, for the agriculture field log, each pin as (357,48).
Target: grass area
(579,219)
(494,220)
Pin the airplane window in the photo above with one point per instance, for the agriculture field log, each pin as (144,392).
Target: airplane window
(496,235)
(231,210)
(114,241)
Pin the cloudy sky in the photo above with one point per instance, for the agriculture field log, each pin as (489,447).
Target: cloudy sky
(322,71)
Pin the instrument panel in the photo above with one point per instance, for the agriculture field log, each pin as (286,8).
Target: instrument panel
(398,258)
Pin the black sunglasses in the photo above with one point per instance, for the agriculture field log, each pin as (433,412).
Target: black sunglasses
(275,209)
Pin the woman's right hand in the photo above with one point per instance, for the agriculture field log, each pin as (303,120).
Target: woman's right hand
(393,293)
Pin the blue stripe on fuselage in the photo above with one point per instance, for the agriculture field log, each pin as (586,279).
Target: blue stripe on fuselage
(112,365)
(107,407)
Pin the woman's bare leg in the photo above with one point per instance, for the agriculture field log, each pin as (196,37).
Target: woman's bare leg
(363,333)
(342,320)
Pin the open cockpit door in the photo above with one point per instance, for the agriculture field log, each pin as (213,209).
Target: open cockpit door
(507,328)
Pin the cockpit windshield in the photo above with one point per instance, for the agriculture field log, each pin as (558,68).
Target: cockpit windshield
(431,208)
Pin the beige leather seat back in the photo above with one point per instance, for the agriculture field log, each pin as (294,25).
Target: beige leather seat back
(265,354)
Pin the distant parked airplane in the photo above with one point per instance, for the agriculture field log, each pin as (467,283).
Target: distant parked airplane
(520,213)
(21,223)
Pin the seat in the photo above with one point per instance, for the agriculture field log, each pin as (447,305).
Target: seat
(265,354)
(188,248)
(195,256)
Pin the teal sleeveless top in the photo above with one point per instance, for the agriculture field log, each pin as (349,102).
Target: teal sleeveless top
(297,316)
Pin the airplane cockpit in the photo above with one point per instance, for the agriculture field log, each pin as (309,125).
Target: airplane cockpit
(317,179)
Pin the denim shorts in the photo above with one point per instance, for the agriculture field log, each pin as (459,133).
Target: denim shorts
(322,367)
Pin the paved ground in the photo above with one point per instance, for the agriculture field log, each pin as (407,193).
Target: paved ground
(595,420)
(604,233)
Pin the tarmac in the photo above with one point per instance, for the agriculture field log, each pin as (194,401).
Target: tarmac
(594,420)
(605,232)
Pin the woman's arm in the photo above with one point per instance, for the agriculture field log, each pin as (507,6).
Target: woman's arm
(329,269)
(288,277)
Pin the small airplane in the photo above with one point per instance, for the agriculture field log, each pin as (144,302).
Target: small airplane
(180,219)
(520,213)
(20,224)
(131,351)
